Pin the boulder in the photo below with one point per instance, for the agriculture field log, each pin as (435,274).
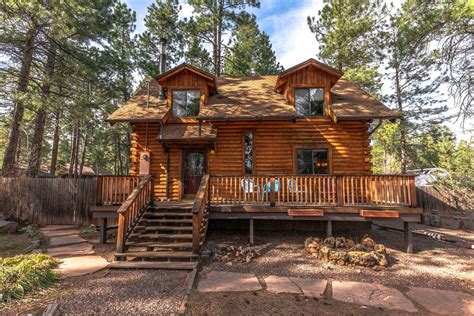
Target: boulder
(349,244)
(338,257)
(324,251)
(8,227)
(340,242)
(311,245)
(331,241)
(379,248)
(380,258)
(368,243)
(361,258)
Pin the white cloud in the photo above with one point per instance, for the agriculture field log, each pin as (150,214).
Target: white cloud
(186,11)
(290,35)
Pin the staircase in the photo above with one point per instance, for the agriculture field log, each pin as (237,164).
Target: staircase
(161,239)
(160,235)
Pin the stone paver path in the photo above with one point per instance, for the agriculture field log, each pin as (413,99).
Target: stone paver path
(66,240)
(75,266)
(71,250)
(311,287)
(368,294)
(371,294)
(443,302)
(278,284)
(217,281)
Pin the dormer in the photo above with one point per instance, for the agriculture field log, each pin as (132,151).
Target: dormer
(307,86)
(187,89)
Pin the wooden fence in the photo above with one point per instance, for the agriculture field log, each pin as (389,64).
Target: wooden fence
(45,201)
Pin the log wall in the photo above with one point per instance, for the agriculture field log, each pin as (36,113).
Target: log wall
(275,145)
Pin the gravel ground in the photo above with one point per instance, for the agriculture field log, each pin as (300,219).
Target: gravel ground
(435,264)
(264,303)
(141,292)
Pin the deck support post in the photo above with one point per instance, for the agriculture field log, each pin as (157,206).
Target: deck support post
(329,229)
(103,230)
(251,231)
(407,230)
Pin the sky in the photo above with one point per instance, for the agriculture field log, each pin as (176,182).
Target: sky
(285,21)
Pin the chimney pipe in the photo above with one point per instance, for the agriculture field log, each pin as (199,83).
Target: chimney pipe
(163,42)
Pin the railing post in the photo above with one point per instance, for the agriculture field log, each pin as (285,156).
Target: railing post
(98,197)
(121,233)
(196,233)
(272,191)
(339,190)
(413,192)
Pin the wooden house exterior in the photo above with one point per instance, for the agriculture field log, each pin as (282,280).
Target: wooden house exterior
(289,146)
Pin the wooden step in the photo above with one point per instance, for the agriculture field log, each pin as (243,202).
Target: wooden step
(166,214)
(158,254)
(167,221)
(152,265)
(173,245)
(155,228)
(164,236)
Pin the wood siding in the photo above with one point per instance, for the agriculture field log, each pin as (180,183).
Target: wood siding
(275,145)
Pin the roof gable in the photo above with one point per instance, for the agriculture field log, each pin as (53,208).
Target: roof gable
(184,67)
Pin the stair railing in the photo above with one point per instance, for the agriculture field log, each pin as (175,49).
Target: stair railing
(200,214)
(131,210)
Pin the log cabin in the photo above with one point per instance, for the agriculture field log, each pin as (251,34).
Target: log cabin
(292,146)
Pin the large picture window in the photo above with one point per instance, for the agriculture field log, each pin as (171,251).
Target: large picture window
(248,152)
(312,161)
(309,101)
(186,103)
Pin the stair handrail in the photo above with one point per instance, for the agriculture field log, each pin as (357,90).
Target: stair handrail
(199,211)
(131,210)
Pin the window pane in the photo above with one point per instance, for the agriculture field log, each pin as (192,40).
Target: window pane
(248,159)
(302,101)
(179,103)
(304,162)
(192,104)
(317,101)
(320,161)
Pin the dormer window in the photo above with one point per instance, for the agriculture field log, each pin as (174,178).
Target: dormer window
(309,101)
(186,103)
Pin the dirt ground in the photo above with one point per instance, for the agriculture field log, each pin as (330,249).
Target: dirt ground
(265,303)
(434,264)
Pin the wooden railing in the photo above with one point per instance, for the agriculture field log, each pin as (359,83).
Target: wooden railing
(317,190)
(114,190)
(131,210)
(200,214)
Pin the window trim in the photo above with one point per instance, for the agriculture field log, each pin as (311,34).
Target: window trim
(244,132)
(310,87)
(313,147)
(185,89)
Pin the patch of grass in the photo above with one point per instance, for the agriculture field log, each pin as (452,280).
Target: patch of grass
(88,229)
(23,274)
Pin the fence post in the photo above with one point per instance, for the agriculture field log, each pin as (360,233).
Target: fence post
(272,191)
(413,191)
(121,233)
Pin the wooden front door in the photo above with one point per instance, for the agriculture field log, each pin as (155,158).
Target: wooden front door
(194,168)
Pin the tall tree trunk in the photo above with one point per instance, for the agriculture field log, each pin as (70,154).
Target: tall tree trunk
(8,167)
(54,152)
(35,153)
(83,154)
(76,156)
(72,160)
(403,140)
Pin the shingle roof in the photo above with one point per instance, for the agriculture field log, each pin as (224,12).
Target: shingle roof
(140,108)
(246,97)
(187,132)
(349,101)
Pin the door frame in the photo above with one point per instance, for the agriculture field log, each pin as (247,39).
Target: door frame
(183,161)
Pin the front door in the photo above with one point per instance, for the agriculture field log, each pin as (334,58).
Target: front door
(194,168)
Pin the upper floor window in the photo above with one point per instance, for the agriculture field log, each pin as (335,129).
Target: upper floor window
(309,101)
(186,103)
(312,161)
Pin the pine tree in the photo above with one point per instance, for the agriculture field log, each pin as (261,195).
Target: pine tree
(212,21)
(348,33)
(252,53)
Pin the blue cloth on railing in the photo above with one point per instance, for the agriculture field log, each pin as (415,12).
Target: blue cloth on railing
(268,185)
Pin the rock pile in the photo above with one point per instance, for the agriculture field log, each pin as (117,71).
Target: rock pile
(342,251)
(230,254)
